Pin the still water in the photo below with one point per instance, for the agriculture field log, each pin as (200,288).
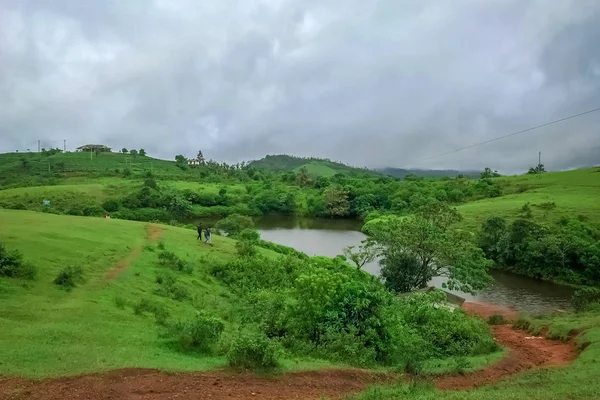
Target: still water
(329,237)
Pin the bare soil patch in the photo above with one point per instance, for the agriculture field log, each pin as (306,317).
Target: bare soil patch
(524,352)
(156,385)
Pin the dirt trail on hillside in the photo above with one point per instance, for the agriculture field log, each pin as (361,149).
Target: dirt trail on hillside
(524,352)
(153,233)
(137,384)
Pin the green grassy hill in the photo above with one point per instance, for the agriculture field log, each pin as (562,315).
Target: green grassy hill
(573,194)
(315,166)
(82,162)
(54,332)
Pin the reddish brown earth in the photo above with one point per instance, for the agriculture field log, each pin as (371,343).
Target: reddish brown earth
(487,310)
(153,233)
(138,384)
(524,352)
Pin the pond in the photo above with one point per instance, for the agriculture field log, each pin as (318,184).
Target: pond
(329,237)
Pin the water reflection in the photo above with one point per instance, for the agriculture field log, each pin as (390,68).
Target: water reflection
(329,237)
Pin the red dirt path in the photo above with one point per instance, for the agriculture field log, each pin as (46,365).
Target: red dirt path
(524,352)
(137,384)
(153,233)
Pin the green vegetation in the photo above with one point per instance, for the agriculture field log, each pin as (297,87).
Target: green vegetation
(416,248)
(141,306)
(567,251)
(12,264)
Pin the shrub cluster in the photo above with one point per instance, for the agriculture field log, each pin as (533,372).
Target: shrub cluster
(12,265)
(324,308)
(69,277)
(199,334)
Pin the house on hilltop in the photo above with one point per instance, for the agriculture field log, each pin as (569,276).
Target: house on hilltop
(193,161)
(95,147)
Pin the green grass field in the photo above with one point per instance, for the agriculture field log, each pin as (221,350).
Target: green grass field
(48,331)
(84,162)
(575,194)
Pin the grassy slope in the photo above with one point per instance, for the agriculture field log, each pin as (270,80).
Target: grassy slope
(315,167)
(82,162)
(47,331)
(575,194)
(576,381)
(79,191)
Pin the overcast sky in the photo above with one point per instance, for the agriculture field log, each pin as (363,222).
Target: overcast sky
(370,83)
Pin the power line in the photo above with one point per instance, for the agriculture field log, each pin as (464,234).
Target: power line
(506,136)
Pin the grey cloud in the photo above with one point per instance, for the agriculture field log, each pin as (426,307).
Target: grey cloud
(380,83)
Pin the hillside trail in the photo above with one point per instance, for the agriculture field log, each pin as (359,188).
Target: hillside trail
(524,352)
(153,233)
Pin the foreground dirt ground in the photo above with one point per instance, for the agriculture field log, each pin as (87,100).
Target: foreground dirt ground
(524,352)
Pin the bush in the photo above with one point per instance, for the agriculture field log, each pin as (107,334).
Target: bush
(170,288)
(93,211)
(248,239)
(170,259)
(69,277)
(584,297)
(12,265)
(120,302)
(159,311)
(111,205)
(253,350)
(234,224)
(199,334)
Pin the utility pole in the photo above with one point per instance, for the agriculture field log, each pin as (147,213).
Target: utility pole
(65,145)
(39,146)
(540,158)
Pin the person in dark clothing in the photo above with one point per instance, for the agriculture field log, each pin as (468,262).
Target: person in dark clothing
(199,232)
(207,236)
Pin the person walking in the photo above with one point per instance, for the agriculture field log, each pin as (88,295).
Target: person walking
(207,236)
(199,232)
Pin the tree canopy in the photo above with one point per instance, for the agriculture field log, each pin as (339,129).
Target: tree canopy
(416,248)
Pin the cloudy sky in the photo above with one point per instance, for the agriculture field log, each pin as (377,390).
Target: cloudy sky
(370,83)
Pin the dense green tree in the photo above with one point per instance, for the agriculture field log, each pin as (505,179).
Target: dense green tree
(124,150)
(234,224)
(491,237)
(303,177)
(200,157)
(538,169)
(142,152)
(419,247)
(336,201)
(488,173)
(133,152)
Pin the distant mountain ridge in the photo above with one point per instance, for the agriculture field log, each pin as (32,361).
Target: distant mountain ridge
(326,167)
(401,173)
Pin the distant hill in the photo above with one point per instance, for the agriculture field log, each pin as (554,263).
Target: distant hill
(401,173)
(315,166)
